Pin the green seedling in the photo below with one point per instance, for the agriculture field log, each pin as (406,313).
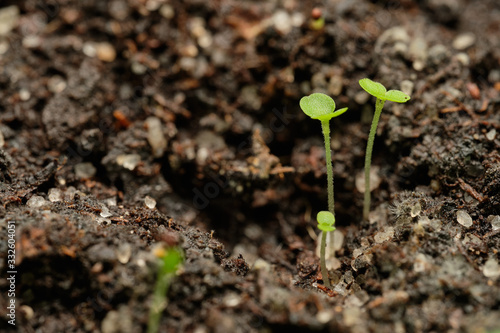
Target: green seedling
(317,19)
(378,90)
(171,258)
(322,107)
(326,222)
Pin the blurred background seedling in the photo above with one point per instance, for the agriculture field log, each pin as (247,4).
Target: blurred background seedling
(170,260)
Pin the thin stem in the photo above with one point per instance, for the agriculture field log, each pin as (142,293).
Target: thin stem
(159,301)
(324,271)
(325,126)
(368,156)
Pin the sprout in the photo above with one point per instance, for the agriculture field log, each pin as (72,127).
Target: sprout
(378,90)
(326,222)
(322,107)
(171,259)
(317,21)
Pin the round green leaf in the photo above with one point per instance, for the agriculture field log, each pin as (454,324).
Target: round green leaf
(373,88)
(397,96)
(326,221)
(318,106)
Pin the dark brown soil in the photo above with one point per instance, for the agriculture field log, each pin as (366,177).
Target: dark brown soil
(109,106)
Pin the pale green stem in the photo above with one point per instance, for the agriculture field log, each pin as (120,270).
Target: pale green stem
(159,301)
(325,126)
(324,271)
(166,272)
(368,156)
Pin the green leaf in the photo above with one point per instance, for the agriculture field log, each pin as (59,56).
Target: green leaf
(373,88)
(318,106)
(171,260)
(397,96)
(326,221)
(339,112)
(325,228)
(325,217)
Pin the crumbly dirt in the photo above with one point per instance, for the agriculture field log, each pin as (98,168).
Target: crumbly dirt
(128,126)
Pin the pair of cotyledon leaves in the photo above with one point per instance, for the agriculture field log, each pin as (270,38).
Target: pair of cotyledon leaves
(322,107)
(378,90)
(326,221)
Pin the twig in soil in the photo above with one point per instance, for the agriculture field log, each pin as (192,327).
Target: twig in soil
(460,106)
(451,109)
(469,189)
(484,105)
(433,79)
(328,291)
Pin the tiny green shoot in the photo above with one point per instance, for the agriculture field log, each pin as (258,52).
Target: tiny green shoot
(326,222)
(380,92)
(322,107)
(171,258)
(317,19)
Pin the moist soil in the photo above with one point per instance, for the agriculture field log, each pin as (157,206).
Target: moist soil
(127,127)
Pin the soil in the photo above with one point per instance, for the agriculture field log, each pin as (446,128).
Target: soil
(131,126)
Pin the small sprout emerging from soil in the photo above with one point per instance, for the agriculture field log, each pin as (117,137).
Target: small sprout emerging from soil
(322,107)
(326,222)
(380,92)
(318,21)
(171,258)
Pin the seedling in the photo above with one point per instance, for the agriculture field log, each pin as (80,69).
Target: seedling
(171,258)
(326,222)
(318,21)
(378,90)
(322,107)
